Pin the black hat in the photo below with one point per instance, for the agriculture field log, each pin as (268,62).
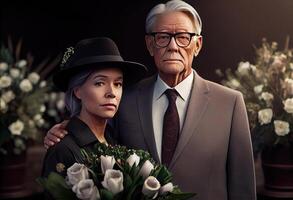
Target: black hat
(94,53)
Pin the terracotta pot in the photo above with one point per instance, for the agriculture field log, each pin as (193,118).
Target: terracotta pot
(277,164)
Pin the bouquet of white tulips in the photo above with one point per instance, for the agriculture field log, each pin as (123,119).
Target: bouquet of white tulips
(114,172)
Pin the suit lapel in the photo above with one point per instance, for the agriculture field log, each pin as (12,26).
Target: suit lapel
(144,102)
(197,106)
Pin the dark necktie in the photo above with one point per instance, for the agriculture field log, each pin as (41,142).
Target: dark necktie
(171,126)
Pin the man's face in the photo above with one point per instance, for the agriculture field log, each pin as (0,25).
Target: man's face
(174,60)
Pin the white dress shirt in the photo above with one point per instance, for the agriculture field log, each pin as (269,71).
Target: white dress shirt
(160,104)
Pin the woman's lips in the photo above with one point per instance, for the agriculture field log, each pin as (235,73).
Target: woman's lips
(109,106)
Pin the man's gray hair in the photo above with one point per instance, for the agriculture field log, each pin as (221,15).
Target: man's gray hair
(72,103)
(173,5)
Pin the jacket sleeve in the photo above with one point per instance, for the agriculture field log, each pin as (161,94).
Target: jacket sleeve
(240,166)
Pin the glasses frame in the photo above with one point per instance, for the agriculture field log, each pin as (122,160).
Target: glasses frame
(172,35)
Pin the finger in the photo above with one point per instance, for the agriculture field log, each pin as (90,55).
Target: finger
(48,142)
(53,138)
(64,124)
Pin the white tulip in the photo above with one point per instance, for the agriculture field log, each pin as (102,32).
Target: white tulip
(16,127)
(289,85)
(133,159)
(14,72)
(288,105)
(146,169)
(166,188)
(34,77)
(86,189)
(265,116)
(107,162)
(25,85)
(42,108)
(233,83)
(5,81)
(113,181)
(3,66)
(76,173)
(8,96)
(151,187)
(268,97)
(21,63)
(281,127)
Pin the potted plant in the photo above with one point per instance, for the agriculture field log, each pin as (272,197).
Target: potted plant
(22,106)
(267,87)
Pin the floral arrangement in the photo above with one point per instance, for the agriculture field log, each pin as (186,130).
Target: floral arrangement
(22,101)
(114,172)
(267,87)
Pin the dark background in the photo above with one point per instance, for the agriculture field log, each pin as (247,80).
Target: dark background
(230,27)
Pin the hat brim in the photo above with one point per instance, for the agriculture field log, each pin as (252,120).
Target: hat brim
(132,72)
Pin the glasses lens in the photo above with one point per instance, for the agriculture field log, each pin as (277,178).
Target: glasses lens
(162,39)
(183,39)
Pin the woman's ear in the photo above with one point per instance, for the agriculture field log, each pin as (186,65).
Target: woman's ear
(149,44)
(76,92)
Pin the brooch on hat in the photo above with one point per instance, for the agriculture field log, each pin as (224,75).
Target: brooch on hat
(69,52)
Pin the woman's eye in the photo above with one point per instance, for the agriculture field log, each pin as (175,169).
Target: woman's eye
(99,83)
(119,84)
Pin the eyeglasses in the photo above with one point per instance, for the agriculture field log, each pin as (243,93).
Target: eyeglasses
(182,39)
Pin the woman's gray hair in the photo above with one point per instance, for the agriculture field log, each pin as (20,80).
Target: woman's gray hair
(173,5)
(72,103)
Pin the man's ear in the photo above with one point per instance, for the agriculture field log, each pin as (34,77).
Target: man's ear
(76,92)
(149,44)
(198,45)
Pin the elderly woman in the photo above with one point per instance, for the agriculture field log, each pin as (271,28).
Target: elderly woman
(92,75)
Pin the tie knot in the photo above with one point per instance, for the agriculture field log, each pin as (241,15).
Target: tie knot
(171,94)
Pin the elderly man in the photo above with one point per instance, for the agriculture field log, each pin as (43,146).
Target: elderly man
(199,129)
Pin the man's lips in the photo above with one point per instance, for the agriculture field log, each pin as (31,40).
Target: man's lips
(172,60)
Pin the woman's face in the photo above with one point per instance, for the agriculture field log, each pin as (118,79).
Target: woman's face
(100,95)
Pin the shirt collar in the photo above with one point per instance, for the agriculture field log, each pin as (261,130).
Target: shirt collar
(81,132)
(183,88)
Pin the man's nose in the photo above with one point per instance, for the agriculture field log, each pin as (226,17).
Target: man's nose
(173,45)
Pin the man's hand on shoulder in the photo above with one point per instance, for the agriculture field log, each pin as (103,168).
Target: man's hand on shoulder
(55,134)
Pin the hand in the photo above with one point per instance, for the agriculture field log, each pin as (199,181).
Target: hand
(54,135)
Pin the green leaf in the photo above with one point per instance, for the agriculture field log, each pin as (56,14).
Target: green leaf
(106,195)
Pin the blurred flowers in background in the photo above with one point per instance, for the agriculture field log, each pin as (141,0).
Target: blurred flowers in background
(27,101)
(267,87)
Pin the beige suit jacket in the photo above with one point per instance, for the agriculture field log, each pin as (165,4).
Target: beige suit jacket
(213,157)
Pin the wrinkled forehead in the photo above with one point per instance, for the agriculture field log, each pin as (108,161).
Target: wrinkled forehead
(176,20)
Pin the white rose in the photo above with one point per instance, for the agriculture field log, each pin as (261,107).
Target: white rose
(289,85)
(166,188)
(76,173)
(43,84)
(16,127)
(60,104)
(288,105)
(151,187)
(281,127)
(258,89)
(34,77)
(3,106)
(107,162)
(133,159)
(25,85)
(14,72)
(113,181)
(268,97)
(243,68)
(233,83)
(5,81)
(265,116)
(21,63)
(42,108)
(3,66)
(146,169)
(37,117)
(86,189)
(40,122)
(8,96)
